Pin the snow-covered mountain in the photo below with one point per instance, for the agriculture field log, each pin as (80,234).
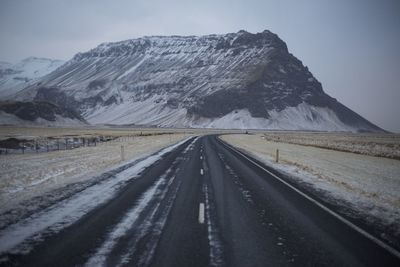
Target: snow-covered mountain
(236,80)
(37,113)
(14,77)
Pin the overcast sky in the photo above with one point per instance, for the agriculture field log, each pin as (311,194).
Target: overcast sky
(351,46)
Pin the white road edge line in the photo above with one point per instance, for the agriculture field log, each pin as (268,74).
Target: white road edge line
(336,215)
(201,171)
(201,213)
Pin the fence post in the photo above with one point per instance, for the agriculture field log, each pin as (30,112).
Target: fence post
(277,155)
(122,153)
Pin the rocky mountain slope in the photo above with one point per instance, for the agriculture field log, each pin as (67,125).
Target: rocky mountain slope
(37,113)
(14,77)
(236,80)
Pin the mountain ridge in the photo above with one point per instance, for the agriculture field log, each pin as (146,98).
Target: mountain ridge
(196,81)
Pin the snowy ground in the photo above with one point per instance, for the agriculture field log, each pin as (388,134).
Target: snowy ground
(19,235)
(38,176)
(363,186)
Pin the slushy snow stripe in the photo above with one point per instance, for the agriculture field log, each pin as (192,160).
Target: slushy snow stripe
(18,237)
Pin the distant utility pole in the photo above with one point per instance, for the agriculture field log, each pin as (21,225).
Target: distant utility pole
(277,155)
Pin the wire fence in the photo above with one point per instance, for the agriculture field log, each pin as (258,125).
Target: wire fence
(42,145)
(13,146)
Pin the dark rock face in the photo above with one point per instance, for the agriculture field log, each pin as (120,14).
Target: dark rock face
(264,90)
(204,77)
(31,111)
(61,99)
(97,84)
(55,96)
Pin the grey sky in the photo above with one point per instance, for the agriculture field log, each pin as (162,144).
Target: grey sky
(351,46)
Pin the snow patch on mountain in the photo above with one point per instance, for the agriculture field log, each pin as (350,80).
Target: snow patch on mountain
(4,64)
(14,77)
(144,112)
(133,68)
(301,117)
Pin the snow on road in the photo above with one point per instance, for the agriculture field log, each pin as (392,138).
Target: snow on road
(19,237)
(24,177)
(367,186)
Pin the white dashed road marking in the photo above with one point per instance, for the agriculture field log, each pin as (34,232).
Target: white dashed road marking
(201,213)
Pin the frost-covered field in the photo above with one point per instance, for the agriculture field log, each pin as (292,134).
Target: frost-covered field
(365,187)
(33,175)
(55,132)
(382,145)
(19,236)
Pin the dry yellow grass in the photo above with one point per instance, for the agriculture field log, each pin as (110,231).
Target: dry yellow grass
(381,145)
(59,132)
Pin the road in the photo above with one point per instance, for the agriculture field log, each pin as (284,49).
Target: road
(206,204)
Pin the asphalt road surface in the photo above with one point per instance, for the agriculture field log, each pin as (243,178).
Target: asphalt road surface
(206,204)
